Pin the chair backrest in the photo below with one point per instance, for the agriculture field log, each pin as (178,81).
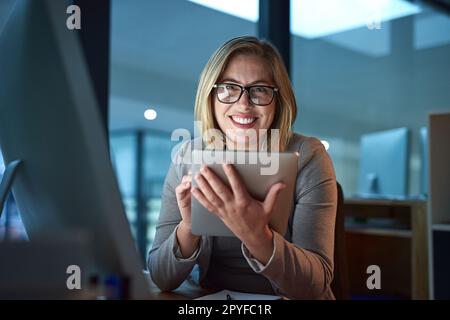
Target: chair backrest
(340,285)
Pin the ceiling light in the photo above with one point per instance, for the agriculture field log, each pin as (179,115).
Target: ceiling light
(150,114)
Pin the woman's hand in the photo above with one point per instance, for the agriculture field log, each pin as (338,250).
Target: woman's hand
(186,240)
(245,216)
(183,193)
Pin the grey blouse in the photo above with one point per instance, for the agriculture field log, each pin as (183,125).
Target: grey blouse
(301,266)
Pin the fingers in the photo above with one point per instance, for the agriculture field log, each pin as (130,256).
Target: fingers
(208,192)
(198,194)
(187,177)
(271,197)
(182,191)
(235,180)
(216,184)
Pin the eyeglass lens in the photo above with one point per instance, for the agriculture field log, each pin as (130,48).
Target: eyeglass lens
(259,95)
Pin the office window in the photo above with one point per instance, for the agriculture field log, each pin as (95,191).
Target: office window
(123,156)
(157,159)
(373,67)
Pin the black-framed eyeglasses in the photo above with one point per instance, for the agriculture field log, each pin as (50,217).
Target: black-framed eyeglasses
(260,95)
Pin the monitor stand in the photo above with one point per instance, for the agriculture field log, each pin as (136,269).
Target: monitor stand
(372,181)
(7,181)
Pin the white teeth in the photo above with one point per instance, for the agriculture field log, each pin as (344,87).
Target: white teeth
(243,120)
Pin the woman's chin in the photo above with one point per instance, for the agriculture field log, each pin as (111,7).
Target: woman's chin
(240,142)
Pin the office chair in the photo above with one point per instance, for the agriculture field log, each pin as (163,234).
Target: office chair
(340,285)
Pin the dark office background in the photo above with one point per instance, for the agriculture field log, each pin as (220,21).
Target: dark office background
(348,82)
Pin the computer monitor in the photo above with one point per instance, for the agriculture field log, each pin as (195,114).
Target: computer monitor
(384,164)
(49,119)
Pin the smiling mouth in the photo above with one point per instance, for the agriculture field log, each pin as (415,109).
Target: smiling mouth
(243,122)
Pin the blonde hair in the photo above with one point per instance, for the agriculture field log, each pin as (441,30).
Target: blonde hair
(286,107)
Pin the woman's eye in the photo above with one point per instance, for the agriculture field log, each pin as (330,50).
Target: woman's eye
(260,89)
(232,89)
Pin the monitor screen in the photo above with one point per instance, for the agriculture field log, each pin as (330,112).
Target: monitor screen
(384,159)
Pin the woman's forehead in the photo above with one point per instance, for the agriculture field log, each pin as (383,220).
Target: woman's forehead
(245,68)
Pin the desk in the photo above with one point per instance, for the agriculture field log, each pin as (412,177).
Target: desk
(400,249)
(187,291)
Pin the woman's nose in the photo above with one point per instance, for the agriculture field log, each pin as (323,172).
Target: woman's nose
(245,99)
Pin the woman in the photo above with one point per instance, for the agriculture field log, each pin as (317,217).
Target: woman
(245,86)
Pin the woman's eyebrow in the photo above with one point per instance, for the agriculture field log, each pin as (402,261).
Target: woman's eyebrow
(229,80)
(254,82)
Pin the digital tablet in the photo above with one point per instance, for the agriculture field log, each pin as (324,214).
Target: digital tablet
(259,171)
